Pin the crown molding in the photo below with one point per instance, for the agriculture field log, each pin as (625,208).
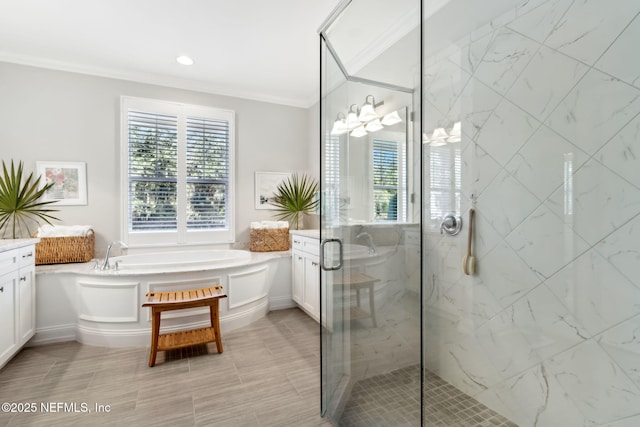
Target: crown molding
(153,79)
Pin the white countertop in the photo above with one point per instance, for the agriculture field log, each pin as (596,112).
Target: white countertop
(88,267)
(8,244)
(308,233)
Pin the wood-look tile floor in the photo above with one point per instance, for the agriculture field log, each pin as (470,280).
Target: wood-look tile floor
(268,375)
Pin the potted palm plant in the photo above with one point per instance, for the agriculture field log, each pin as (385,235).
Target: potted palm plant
(20,204)
(294,197)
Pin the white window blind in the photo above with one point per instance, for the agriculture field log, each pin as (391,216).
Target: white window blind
(178,172)
(331,178)
(207,173)
(153,171)
(445,181)
(386,180)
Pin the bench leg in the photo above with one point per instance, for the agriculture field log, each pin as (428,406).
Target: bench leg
(372,306)
(155,332)
(215,323)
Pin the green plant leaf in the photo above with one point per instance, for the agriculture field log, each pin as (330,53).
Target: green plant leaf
(20,203)
(294,196)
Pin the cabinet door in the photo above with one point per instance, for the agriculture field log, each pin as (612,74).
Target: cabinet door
(298,277)
(311,301)
(26,305)
(7,322)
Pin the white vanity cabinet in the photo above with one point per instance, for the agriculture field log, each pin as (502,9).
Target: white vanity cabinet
(17,295)
(305,251)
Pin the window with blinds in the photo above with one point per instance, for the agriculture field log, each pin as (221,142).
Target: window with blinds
(386,182)
(152,170)
(207,173)
(331,179)
(178,172)
(445,181)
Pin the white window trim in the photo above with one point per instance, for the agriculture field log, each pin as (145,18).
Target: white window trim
(182,237)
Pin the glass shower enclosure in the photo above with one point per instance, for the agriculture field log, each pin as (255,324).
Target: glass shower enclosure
(526,113)
(370,213)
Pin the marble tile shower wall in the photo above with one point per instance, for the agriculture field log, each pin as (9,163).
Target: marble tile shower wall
(548,331)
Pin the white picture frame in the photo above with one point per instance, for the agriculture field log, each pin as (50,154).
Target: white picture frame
(70,182)
(266,184)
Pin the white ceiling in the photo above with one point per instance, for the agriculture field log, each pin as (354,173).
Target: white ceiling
(266,50)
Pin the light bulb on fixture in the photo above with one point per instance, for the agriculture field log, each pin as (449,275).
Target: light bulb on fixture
(439,134)
(358,132)
(374,126)
(425,138)
(456,133)
(340,125)
(368,110)
(352,118)
(391,119)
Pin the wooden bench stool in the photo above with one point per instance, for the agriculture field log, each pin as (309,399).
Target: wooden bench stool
(179,300)
(357,282)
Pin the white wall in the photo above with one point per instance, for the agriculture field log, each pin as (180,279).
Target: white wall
(62,116)
(546,331)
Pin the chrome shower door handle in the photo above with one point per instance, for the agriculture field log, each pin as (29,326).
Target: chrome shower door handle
(451,224)
(323,257)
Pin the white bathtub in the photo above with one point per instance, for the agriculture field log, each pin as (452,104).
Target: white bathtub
(77,302)
(168,261)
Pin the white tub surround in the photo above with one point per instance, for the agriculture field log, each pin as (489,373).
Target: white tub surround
(105,307)
(17,295)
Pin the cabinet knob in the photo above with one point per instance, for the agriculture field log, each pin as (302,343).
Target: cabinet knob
(23,279)
(315,264)
(30,254)
(1,288)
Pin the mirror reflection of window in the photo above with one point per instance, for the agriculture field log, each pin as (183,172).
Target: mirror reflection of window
(331,197)
(388,178)
(445,181)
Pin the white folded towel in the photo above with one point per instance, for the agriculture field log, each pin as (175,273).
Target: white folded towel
(270,224)
(47,230)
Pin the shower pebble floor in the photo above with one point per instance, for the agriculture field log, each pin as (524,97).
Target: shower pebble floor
(393,399)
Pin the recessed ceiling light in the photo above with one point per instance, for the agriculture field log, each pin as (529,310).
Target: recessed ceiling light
(184,60)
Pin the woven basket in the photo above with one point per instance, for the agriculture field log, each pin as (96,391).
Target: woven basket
(269,239)
(60,250)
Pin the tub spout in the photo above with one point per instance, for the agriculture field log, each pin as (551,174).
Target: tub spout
(372,247)
(105,264)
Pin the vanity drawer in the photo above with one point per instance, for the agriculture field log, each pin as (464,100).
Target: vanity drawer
(305,244)
(9,260)
(27,256)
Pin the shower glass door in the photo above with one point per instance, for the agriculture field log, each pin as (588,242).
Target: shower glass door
(370,213)
(531,117)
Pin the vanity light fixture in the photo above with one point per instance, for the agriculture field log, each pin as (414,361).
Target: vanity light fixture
(391,119)
(184,60)
(438,137)
(368,110)
(358,132)
(352,118)
(456,133)
(439,134)
(359,121)
(374,126)
(340,125)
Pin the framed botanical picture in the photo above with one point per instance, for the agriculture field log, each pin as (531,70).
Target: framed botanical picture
(69,181)
(266,185)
